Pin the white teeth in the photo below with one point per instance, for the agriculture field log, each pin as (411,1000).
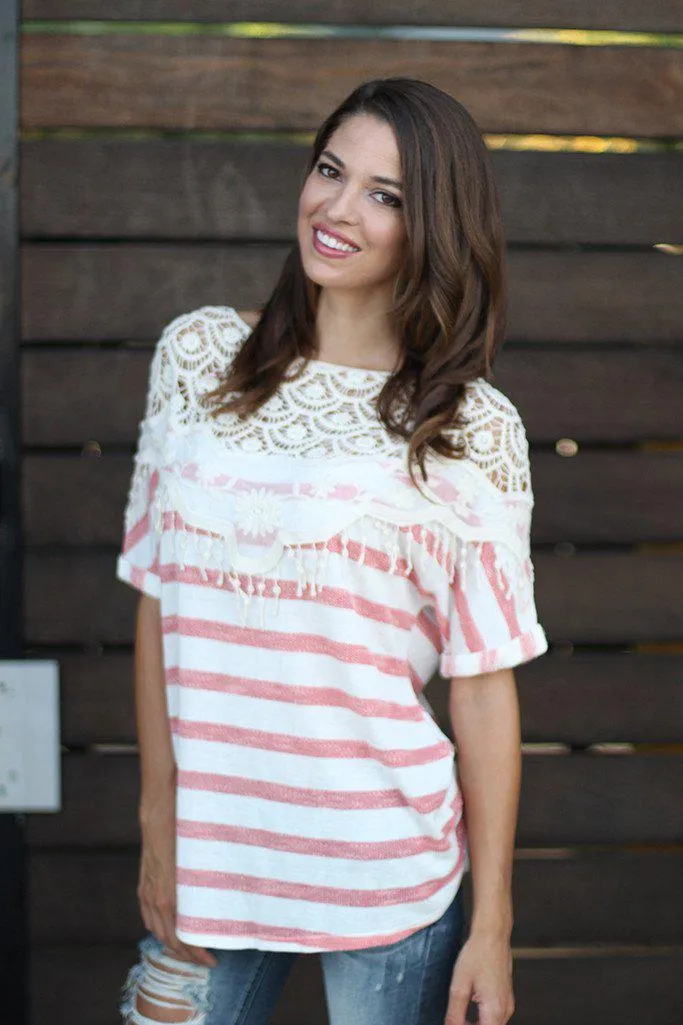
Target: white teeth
(334,243)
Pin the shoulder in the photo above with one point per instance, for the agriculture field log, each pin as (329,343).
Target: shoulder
(495,437)
(483,401)
(192,348)
(203,334)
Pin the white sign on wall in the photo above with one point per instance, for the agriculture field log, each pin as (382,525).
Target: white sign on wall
(30,778)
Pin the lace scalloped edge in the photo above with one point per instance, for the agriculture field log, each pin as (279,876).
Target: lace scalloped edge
(406,546)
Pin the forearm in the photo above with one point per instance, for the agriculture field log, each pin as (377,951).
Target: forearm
(157,762)
(484,713)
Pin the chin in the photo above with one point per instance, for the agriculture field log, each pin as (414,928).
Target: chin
(327,277)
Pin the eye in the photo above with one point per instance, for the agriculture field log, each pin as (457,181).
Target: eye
(326,170)
(388,199)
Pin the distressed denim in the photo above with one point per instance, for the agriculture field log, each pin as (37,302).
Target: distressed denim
(403,983)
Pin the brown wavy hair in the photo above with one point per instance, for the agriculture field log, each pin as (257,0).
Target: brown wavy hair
(450,295)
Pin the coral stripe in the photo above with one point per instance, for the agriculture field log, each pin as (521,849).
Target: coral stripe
(138,576)
(290,744)
(430,629)
(274,640)
(140,529)
(334,597)
(529,645)
(338,895)
(466,622)
(297,694)
(136,533)
(507,605)
(416,680)
(316,846)
(285,934)
(308,797)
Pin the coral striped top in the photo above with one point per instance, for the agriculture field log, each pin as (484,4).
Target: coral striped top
(308,595)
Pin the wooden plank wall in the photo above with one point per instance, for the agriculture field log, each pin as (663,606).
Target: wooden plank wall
(13,940)
(159,173)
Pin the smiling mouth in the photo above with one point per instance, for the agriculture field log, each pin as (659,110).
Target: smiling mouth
(322,240)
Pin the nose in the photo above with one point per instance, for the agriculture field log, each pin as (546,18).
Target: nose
(342,206)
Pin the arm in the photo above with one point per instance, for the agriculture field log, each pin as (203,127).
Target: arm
(157,763)
(484,714)
(156,886)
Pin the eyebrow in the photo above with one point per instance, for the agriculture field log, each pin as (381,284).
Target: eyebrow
(375,178)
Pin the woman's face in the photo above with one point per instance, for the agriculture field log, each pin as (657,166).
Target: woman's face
(351,228)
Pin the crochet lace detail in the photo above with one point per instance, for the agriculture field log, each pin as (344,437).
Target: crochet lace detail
(327,411)
(253,522)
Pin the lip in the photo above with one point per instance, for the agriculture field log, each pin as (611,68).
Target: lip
(321,226)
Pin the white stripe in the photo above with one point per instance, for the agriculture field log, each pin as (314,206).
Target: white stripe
(295,770)
(285,866)
(296,914)
(303,820)
(306,721)
(309,668)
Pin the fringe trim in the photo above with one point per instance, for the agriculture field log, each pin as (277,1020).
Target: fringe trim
(407,548)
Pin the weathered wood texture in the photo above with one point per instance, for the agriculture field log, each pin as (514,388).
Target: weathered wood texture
(121,234)
(73,395)
(630,989)
(13,944)
(660,15)
(567,800)
(196,189)
(555,296)
(198,81)
(574,699)
(623,497)
(604,597)
(81,894)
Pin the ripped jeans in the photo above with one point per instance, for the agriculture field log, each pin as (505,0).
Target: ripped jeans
(403,983)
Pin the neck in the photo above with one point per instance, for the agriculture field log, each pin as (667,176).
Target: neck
(356,330)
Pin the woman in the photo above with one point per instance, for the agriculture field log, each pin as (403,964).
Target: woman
(324,511)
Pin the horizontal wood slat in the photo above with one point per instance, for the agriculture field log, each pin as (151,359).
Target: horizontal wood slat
(574,699)
(660,15)
(214,82)
(67,291)
(79,895)
(591,698)
(72,597)
(197,189)
(624,497)
(612,990)
(566,800)
(153,284)
(75,395)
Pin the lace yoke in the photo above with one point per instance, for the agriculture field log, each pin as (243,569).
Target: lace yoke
(314,471)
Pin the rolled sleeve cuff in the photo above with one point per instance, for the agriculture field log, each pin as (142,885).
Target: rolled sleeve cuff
(520,649)
(145,580)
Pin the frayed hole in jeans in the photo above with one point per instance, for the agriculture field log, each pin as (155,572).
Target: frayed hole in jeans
(163,988)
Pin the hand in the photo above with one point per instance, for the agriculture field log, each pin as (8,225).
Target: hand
(482,973)
(156,891)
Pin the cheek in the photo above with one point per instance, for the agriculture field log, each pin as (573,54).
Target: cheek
(392,240)
(309,199)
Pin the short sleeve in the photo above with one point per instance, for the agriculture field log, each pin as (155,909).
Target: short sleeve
(490,623)
(138,560)
(194,350)
(488,611)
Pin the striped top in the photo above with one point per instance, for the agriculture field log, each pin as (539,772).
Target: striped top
(308,594)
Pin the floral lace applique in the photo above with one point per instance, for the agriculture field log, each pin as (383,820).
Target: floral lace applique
(330,478)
